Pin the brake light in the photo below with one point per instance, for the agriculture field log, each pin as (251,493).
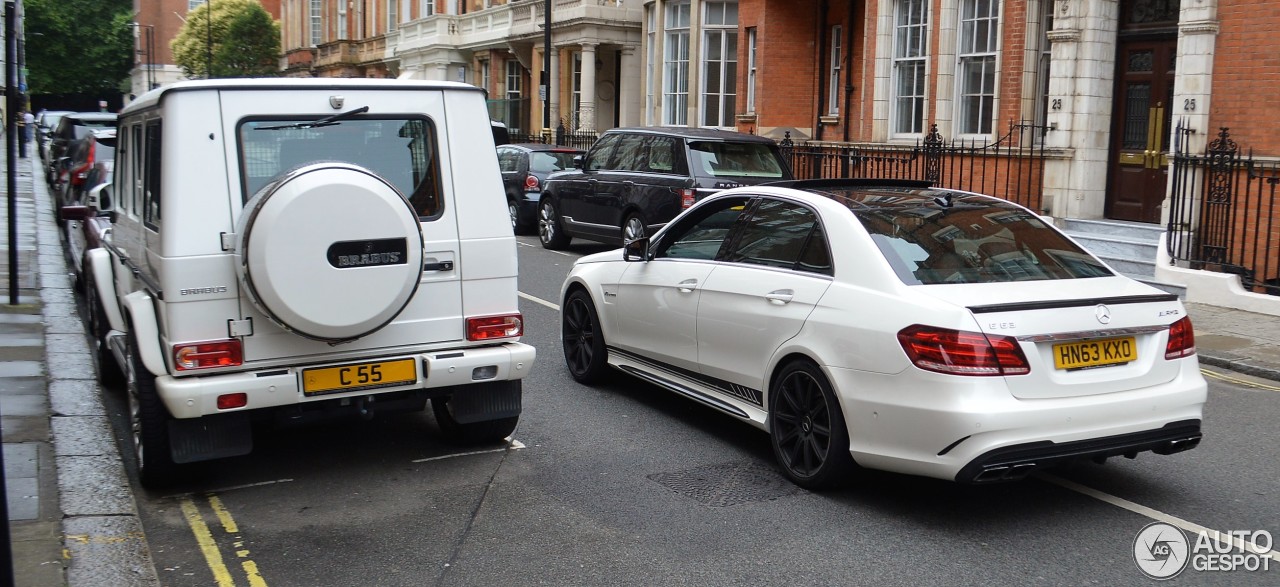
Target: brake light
(493,327)
(957,352)
(686,197)
(205,355)
(1182,340)
(531,183)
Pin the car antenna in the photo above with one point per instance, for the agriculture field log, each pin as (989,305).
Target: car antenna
(944,200)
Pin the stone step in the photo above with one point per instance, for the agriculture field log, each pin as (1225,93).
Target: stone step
(1130,230)
(1114,246)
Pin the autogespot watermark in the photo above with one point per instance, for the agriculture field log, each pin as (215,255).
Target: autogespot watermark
(1162,551)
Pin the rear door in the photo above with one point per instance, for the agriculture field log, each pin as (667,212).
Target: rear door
(404,141)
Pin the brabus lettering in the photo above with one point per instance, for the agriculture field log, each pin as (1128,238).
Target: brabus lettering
(194,291)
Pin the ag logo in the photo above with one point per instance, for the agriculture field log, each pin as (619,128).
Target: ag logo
(1160,550)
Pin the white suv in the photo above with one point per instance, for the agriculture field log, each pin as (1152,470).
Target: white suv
(296,248)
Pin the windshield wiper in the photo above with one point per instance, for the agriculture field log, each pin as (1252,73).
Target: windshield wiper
(326,121)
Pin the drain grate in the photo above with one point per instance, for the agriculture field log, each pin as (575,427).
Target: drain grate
(727,484)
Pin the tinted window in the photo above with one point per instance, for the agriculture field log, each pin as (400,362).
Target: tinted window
(777,235)
(727,159)
(401,151)
(661,153)
(701,234)
(972,241)
(151,191)
(598,158)
(629,155)
(549,161)
(508,160)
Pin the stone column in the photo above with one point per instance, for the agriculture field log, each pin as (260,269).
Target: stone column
(629,94)
(557,86)
(1192,90)
(587,117)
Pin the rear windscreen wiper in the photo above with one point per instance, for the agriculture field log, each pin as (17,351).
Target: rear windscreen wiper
(326,121)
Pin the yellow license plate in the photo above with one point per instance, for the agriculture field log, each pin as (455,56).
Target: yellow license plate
(1094,353)
(359,376)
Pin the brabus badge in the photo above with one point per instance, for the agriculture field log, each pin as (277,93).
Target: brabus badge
(1103,314)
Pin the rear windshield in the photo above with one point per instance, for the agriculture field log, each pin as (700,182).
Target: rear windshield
(727,159)
(548,161)
(401,151)
(974,240)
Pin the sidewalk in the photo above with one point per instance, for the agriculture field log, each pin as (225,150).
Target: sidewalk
(72,517)
(66,482)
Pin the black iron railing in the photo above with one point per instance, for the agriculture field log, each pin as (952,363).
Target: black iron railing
(1012,167)
(1224,214)
(563,137)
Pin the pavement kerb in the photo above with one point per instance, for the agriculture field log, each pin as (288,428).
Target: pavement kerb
(103,539)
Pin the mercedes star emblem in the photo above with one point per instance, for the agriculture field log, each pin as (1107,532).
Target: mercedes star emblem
(1103,313)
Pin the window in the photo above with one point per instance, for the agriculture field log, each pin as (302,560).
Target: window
(976,78)
(515,91)
(400,150)
(192,4)
(732,159)
(135,198)
(675,82)
(317,22)
(151,188)
(651,19)
(701,234)
(508,160)
(629,155)
(661,153)
(833,86)
(779,235)
(720,63)
(909,61)
(751,69)
(485,75)
(598,157)
(575,90)
(1042,66)
(428,7)
(393,14)
(342,21)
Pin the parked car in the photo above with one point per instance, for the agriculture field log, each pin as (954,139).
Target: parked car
(72,127)
(525,168)
(634,180)
(46,121)
(893,326)
(339,249)
(87,160)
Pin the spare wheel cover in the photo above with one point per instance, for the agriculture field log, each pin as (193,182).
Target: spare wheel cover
(331,251)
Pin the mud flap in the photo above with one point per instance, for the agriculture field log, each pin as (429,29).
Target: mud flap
(480,402)
(210,437)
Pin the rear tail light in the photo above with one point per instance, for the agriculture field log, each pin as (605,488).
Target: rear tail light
(1182,340)
(209,354)
(228,401)
(494,327)
(531,183)
(687,197)
(957,352)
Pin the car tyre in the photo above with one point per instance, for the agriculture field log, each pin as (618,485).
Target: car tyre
(806,427)
(633,228)
(550,231)
(104,361)
(149,422)
(455,432)
(584,350)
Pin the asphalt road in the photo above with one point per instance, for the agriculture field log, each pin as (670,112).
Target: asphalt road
(625,484)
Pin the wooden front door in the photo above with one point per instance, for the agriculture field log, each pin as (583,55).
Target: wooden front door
(1138,162)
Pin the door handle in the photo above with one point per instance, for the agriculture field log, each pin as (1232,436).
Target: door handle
(434,265)
(687,285)
(780,296)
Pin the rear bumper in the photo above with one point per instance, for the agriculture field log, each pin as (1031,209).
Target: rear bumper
(193,397)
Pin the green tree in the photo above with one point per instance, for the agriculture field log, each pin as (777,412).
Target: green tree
(78,46)
(245,41)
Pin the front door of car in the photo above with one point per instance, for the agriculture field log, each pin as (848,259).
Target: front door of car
(658,300)
(575,194)
(769,281)
(602,209)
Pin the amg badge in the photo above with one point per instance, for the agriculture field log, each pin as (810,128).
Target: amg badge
(368,253)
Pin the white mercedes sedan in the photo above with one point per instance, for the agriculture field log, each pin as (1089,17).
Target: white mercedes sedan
(893,326)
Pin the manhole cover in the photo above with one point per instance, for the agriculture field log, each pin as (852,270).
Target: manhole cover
(727,484)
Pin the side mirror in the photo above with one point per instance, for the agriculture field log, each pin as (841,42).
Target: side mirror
(73,212)
(99,198)
(636,250)
(579,162)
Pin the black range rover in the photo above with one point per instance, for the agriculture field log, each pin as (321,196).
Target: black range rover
(634,180)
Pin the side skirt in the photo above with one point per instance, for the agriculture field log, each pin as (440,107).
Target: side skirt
(671,379)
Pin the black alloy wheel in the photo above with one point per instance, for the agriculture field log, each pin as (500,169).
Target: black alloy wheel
(807,428)
(549,229)
(584,351)
(148,422)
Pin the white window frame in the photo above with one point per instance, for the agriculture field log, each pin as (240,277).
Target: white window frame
(393,15)
(317,22)
(341,33)
(193,4)
(722,35)
(675,64)
(833,83)
(427,8)
(1043,66)
(651,36)
(486,74)
(977,53)
(910,23)
(515,74)
(575,90)
(751,70)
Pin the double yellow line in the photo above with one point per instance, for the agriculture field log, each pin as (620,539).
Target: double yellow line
(209,545)
(1229,379)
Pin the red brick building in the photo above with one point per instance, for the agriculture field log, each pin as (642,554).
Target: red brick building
(156,23)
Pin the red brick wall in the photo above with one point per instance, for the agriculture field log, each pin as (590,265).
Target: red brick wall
(1246,75)
(786,33)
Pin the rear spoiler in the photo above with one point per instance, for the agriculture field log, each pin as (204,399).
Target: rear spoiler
(1052,304)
